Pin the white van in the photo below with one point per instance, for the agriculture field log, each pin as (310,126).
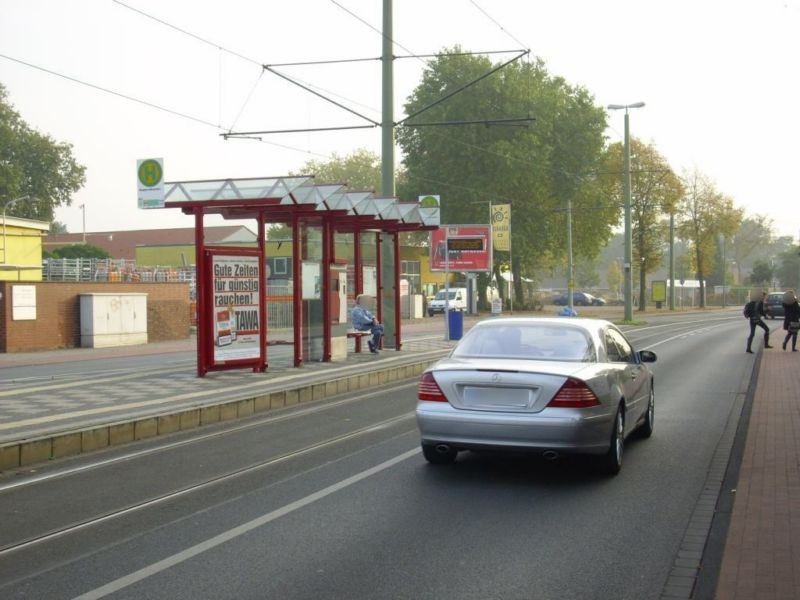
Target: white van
(456,300)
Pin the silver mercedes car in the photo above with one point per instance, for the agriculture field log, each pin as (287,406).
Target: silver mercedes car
(547,385)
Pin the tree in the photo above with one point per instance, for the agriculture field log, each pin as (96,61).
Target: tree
(34,165)
(586,275)
(537,167)
(614,277)
(754,234)
(655,193)
(79,251)
(762,274)
(788,271)
(705,214)
(58,227)
(360,170)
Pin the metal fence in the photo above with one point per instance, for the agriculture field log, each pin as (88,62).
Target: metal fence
(106,269)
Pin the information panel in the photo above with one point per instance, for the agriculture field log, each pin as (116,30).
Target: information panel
(468,247)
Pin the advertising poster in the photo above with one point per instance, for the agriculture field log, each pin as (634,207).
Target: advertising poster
(466,247)
(235,284)
(501,227)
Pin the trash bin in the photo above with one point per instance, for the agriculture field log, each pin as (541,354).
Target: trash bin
(455,323)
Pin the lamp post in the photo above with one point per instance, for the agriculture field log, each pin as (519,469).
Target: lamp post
(626,190)
(83,210)
(5,207)
(724,268)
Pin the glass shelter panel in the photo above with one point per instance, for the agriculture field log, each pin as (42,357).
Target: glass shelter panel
(311,269)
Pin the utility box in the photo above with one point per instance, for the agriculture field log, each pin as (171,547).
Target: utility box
(113,320)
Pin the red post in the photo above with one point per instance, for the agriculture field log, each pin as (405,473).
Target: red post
(397,339)
(262,292)
(297,289)
(203,310)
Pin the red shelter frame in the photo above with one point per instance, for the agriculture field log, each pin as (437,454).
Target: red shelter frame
(295,201)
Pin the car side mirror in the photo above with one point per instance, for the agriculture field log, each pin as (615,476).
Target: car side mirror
(647,356)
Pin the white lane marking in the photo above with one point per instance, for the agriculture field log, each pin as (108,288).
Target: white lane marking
(197,549)
(685,334)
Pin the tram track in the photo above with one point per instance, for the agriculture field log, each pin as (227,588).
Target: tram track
(199,486)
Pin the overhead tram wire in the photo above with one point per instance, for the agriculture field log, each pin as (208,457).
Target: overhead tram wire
(222,49)
(112,92)
(503,29)
(189,33)
(146,103)
(252,135)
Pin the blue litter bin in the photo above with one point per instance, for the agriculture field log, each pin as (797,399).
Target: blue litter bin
(455,324)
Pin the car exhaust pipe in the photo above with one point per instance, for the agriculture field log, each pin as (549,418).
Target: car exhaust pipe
(550,455)
(442,448)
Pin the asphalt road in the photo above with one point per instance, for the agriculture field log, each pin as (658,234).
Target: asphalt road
(334,500)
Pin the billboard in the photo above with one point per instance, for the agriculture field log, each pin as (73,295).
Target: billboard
(461,248)
(235,320)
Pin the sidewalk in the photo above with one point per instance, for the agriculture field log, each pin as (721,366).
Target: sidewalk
(761,559)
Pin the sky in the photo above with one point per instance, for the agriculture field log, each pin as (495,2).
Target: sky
(165,78)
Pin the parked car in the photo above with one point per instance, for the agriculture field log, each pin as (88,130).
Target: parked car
(579,299)
(456,299)
(545,385)
(773,305)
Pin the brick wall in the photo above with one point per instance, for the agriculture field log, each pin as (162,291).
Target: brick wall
(57,323)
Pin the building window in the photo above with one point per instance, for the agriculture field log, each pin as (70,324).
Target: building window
(409,270)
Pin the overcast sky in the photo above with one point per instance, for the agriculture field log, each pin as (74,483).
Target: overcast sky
(719,79)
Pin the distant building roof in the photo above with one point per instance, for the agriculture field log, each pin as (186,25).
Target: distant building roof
(122,244)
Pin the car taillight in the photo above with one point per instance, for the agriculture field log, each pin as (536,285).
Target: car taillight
(574,394)
(429,390)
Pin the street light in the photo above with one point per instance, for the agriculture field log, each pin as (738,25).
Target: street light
(626,190)
(5,207)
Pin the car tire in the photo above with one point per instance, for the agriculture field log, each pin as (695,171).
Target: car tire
(611,462)
(435,457)
(646,430)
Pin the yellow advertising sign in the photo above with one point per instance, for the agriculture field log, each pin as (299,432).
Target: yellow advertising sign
(659,291)
(501,227)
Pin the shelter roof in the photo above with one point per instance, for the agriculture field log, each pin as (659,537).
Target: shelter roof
(278,198)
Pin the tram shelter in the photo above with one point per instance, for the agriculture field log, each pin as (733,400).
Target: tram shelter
(232,304)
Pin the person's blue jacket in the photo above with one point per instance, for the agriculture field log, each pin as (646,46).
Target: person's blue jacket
(362,318)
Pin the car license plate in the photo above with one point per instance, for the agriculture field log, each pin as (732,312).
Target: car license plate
(494,398)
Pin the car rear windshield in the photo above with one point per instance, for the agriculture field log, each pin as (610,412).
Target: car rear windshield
(536,342)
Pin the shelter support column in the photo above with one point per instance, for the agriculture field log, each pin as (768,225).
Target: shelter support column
(397,312)
(358,271)
(327,261)
(262,293)
(203,310)
(297,293)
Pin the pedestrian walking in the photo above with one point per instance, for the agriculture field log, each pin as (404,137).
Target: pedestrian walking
(791,318)
(755,313)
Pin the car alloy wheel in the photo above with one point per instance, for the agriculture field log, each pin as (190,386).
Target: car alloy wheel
(612,461)
(649,420)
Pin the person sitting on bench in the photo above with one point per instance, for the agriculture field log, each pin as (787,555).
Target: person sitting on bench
(364,320)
